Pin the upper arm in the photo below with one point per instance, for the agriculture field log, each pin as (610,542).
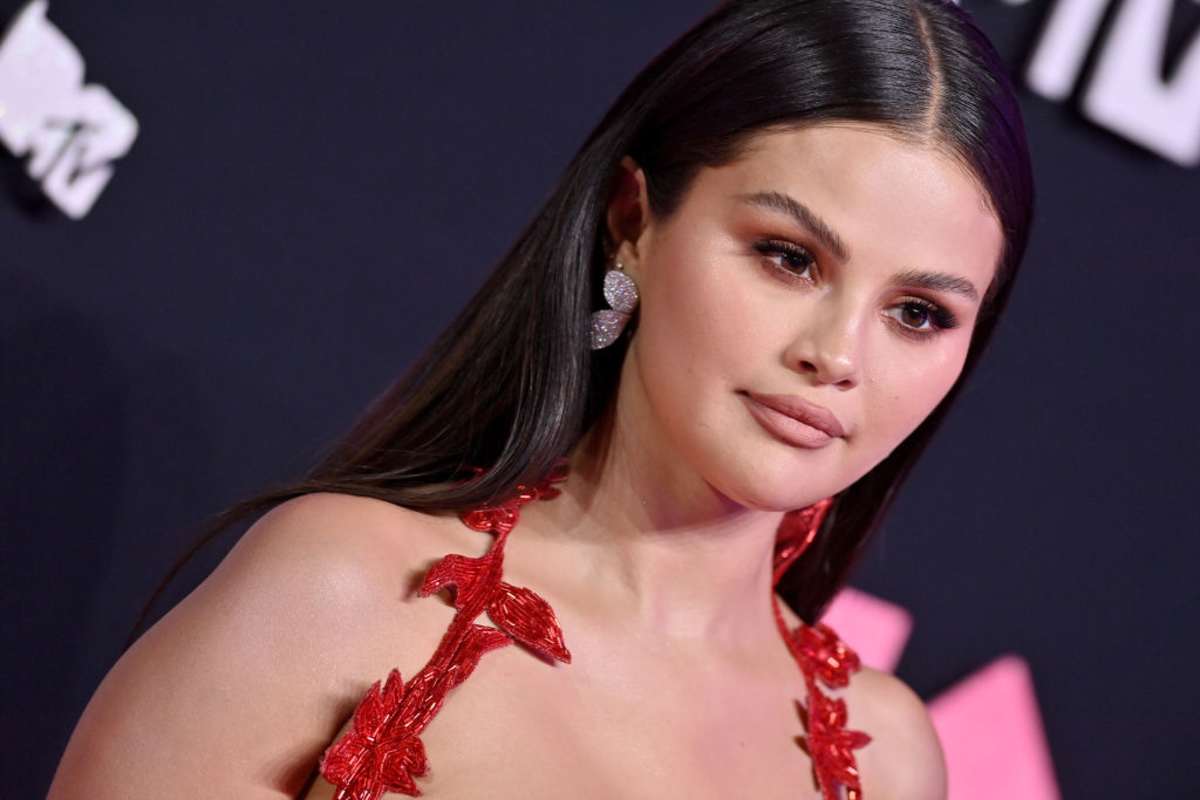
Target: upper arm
(237,690)
(904,760)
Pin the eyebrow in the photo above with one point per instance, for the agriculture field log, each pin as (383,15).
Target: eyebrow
(811,221)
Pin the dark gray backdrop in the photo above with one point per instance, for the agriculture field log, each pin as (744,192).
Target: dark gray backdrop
(316,189)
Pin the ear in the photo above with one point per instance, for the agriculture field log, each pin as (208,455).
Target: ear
(628,214)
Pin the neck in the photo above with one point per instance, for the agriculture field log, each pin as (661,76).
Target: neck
(653,548)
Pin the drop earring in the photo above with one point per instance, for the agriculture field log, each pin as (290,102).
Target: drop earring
(621,293)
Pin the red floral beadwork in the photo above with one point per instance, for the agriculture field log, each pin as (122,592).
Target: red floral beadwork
(796,532)
(829,744)
(382,751)
(823,657)
(824,654)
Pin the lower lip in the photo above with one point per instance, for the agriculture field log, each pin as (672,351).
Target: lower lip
(785,428)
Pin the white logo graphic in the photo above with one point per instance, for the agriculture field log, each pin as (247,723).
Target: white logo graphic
(1125,93)
(71,132)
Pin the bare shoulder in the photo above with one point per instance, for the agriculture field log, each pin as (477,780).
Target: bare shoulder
(340,563)
(350,567)
(355,522)
(357,544)
(904,759)
(261,663)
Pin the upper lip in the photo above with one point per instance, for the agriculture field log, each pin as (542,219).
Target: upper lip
(797,407)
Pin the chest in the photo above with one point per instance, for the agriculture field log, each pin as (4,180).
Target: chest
(522,728)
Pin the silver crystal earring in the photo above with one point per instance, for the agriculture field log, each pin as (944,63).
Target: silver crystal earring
(621,293)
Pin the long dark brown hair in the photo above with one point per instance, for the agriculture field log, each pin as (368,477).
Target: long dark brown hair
(511,384)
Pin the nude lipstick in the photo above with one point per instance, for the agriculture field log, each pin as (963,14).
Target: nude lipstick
(794,420)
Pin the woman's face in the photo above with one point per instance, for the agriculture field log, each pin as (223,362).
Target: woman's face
(832,264)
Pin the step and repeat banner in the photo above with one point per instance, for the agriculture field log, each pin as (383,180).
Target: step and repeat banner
(228,226)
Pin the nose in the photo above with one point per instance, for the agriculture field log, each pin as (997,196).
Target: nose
(826,347)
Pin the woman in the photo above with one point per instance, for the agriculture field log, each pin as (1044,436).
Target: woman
(808,216)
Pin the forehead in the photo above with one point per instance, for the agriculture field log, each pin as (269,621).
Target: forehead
(891,201)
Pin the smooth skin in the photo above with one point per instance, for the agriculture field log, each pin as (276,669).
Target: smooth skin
(656,558)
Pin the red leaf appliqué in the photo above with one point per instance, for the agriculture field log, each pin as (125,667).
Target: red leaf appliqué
(527,618)
(364,770)
(399,761)
(369,760)
(823,654)
(478,640)
(461,573)
(493,519)
(502,517)
(373,709)
(830,745)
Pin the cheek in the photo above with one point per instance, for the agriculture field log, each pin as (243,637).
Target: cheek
(906,391)
(697,323)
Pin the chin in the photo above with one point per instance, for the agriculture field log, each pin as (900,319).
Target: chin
(782,487)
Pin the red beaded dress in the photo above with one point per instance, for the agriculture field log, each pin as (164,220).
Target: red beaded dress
(382,750)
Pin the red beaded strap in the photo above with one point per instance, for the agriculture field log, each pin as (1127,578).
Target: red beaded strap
(382,751)
(821,656)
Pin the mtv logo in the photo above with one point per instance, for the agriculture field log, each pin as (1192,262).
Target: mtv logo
(70,131)
(1125,93)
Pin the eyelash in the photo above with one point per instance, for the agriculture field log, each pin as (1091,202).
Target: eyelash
(941,318)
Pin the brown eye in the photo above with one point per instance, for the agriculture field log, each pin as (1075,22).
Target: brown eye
(793,259)
(914,316)
(922,318)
